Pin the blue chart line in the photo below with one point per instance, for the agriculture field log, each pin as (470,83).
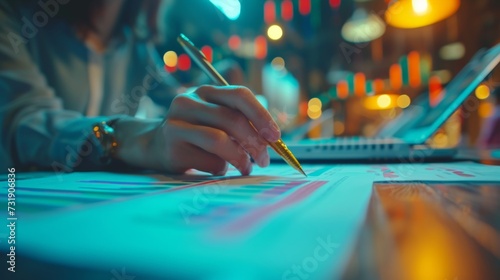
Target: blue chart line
(319,172)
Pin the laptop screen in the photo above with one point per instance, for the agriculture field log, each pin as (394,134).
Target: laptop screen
(421,120)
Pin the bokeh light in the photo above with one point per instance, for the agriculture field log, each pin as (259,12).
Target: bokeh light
(486,110)
(234,42)
(314,108)
(453,51)
(208,52)
(170,59)
(184,62)
(482,92)
(403,101)
(275,32)
(384,101)
(314,102)
(418,13)
(278,63)
(338,128)
(440,140)
(230,8)
(420,6)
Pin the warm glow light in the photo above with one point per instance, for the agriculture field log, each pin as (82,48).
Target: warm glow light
(278,63)
(314,102)
(403,101)
(440,140)
(338,127)
(363,27)
(359,84)
(414,68)
(314,115)
(396,76)
(314,108)
(381,102)
(378,85)
(486,110)
(342,89)
(170,59)
(418,13)
(384,101)
(274,32)
(420,6)
(482,92)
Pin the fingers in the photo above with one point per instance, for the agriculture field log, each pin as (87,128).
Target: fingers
(211,140)
(222,124)
(231,121)
(197,158)
(243,100)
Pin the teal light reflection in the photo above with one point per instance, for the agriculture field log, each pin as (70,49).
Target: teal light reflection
(230,8)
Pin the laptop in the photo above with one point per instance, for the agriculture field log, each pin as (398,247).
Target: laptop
(405,137)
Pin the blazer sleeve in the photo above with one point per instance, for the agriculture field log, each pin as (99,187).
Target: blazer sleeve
(36,129)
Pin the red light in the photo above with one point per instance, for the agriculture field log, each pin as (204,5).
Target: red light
(304,7)
(435,90)
(360,84)
(184,62)
(208,52)
(269,11)
(414,68)
(342,89)
(170,69)
(260,47)
(287,10)
(396,76)
(234,42)
(303,108)
(335,3)
(378,86)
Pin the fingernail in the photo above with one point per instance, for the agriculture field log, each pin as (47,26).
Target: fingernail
(276,131)
(270,134)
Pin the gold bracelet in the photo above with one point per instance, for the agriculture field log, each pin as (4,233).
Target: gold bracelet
(105,133)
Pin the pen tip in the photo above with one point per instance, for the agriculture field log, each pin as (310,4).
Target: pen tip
(302,171)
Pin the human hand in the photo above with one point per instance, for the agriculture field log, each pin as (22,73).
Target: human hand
(205,130)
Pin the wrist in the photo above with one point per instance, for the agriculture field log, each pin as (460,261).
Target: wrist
(134,137)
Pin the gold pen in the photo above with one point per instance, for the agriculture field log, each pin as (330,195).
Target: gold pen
(200,59)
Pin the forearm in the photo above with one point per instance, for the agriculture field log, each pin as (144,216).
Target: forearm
(52,139)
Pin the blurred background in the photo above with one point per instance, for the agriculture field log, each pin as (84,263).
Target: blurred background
(345,67)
